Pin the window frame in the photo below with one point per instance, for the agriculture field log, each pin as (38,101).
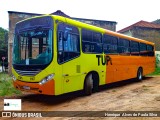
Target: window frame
(112,44)
(91,42)
(152,51)
(63,51)
(124,47)
(137,53)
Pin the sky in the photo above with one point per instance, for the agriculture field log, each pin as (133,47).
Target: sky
(124,12)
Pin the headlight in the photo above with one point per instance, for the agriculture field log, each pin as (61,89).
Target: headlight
(14,78)
(46,79)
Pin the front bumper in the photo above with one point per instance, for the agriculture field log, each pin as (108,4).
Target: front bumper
(47,88)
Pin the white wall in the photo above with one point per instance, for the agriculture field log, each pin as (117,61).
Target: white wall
(158,54)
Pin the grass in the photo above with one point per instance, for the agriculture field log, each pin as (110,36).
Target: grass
(6,86)
(156,72)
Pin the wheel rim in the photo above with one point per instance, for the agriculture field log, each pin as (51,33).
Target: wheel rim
(140,75)
(91,81)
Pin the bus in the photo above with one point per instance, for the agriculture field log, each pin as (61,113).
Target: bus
(54,55)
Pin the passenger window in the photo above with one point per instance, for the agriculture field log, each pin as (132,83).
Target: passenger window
(86,35)
(97,37)
(150,50)
(91,41)
(120,42)
(143,49)
(109,44)
(107,39)
(134,48)
(71,43)
(134,44)
(123,46)
(114,40)
(126,43)
(68,42)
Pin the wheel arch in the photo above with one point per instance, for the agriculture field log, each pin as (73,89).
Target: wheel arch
(95,77)
(140,67)
(140,73)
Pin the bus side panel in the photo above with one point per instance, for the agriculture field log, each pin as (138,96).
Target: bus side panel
(90,63)
(110,71)
(149,65)
(126,67)
(76,76)
(123,67)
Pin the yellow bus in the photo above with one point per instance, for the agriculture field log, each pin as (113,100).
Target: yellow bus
(54,55)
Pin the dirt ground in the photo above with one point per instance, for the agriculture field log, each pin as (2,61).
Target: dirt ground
(122,96)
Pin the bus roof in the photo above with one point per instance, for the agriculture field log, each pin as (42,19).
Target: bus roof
(92,27)
(98,29)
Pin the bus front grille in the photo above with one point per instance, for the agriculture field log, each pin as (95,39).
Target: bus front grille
(28,73)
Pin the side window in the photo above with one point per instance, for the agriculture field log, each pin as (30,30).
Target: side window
(97,37)
(86,35)
(150,50)
(107,39)
(134,48)
(68,42)
(91,41)
(121,42)
(143,49)
(123,46)
(71,43)
(109,44)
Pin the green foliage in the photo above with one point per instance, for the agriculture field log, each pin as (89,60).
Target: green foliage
(3,43)
(6,86)
(156,72)
(157,21)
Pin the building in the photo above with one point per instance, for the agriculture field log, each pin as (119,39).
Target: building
(144,30)
(15,17)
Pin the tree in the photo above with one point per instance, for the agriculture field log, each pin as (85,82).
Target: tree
(157,21)
(3,43)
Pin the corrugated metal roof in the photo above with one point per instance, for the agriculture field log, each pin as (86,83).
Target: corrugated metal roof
(141,23)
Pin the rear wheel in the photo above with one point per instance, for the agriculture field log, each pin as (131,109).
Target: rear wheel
(139,74)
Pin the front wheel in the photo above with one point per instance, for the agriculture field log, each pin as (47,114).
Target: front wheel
(139,74)
(88,85)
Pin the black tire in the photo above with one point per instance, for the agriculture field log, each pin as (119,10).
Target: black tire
(139,74)
(95,83)
(88,85)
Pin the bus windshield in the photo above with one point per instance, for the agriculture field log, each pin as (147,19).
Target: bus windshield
(33,47)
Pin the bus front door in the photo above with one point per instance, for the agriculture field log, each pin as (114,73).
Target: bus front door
(71,76)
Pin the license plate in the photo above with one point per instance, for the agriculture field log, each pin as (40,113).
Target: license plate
(26,87)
